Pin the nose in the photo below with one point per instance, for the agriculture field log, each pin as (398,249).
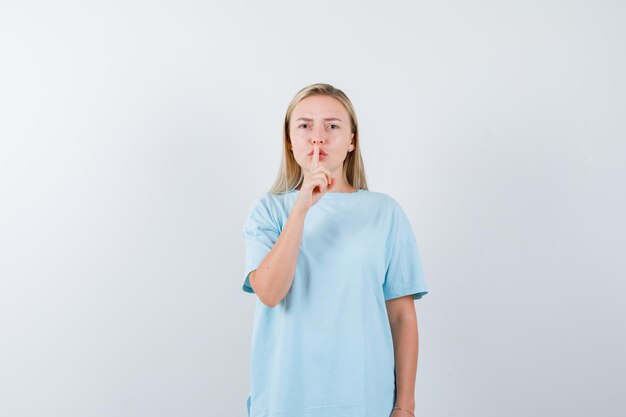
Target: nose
(318,136)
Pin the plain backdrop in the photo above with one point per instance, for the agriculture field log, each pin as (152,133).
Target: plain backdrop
(134,135)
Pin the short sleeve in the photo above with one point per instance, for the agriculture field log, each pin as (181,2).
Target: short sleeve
(259,233)
(404,274)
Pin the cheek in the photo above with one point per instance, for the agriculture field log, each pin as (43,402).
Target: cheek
(297,147)
(298,134)
(298,141)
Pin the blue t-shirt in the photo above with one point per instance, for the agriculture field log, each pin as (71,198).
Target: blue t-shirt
(326,349)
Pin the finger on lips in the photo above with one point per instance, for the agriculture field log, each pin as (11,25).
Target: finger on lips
(315,166)
(316,155)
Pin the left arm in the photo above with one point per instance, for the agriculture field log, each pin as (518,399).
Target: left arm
(403,323)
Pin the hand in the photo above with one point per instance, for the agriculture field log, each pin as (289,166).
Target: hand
(315,183)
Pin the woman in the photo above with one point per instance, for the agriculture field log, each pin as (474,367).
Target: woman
(335,268)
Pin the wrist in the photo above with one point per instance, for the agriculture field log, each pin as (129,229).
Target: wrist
(403,410)
(406,405)
(405,402)
(297,216)
(298,212)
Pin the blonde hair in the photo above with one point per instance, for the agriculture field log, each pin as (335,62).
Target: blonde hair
(290,174)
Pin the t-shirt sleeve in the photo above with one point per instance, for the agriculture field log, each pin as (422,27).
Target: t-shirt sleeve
(404,274)
(259,233)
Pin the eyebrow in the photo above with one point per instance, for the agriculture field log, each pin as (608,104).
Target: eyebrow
(328,119)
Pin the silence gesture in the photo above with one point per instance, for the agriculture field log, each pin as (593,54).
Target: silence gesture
(317,181)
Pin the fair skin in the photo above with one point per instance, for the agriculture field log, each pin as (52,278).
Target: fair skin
(403,323)
(321,124)
(319,129)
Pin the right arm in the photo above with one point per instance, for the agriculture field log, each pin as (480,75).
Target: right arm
(273,277)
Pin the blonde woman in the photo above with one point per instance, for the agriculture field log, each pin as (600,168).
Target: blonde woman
(336,270)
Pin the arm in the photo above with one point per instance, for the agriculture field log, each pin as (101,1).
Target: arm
(274,275)
(403,323)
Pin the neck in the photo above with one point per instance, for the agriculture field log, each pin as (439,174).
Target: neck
(341,185)
(338,188)
(345,189)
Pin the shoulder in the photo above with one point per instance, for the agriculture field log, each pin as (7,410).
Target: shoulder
(269,208)
(269,201)
(384,200)
(398,220)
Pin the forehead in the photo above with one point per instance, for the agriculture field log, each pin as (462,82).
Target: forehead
(320,107)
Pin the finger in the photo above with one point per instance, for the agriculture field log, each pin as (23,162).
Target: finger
(326,172)
(323,185)
(322,182)
(316,156)
(322,169)
(329,175)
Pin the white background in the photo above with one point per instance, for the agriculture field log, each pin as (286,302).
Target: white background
(135,134)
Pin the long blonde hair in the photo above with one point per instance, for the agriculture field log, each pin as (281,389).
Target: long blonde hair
(290,174)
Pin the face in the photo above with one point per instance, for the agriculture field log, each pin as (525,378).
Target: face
(322,120)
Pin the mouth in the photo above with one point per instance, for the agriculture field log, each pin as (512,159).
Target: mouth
(321,153)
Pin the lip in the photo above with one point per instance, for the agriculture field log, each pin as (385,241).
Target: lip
(321,153)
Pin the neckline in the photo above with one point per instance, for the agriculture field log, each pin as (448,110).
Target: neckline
(333,195)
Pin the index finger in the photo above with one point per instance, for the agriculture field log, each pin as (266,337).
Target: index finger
(316,156)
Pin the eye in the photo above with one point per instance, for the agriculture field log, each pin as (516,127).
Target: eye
(303,124)
(335,126)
